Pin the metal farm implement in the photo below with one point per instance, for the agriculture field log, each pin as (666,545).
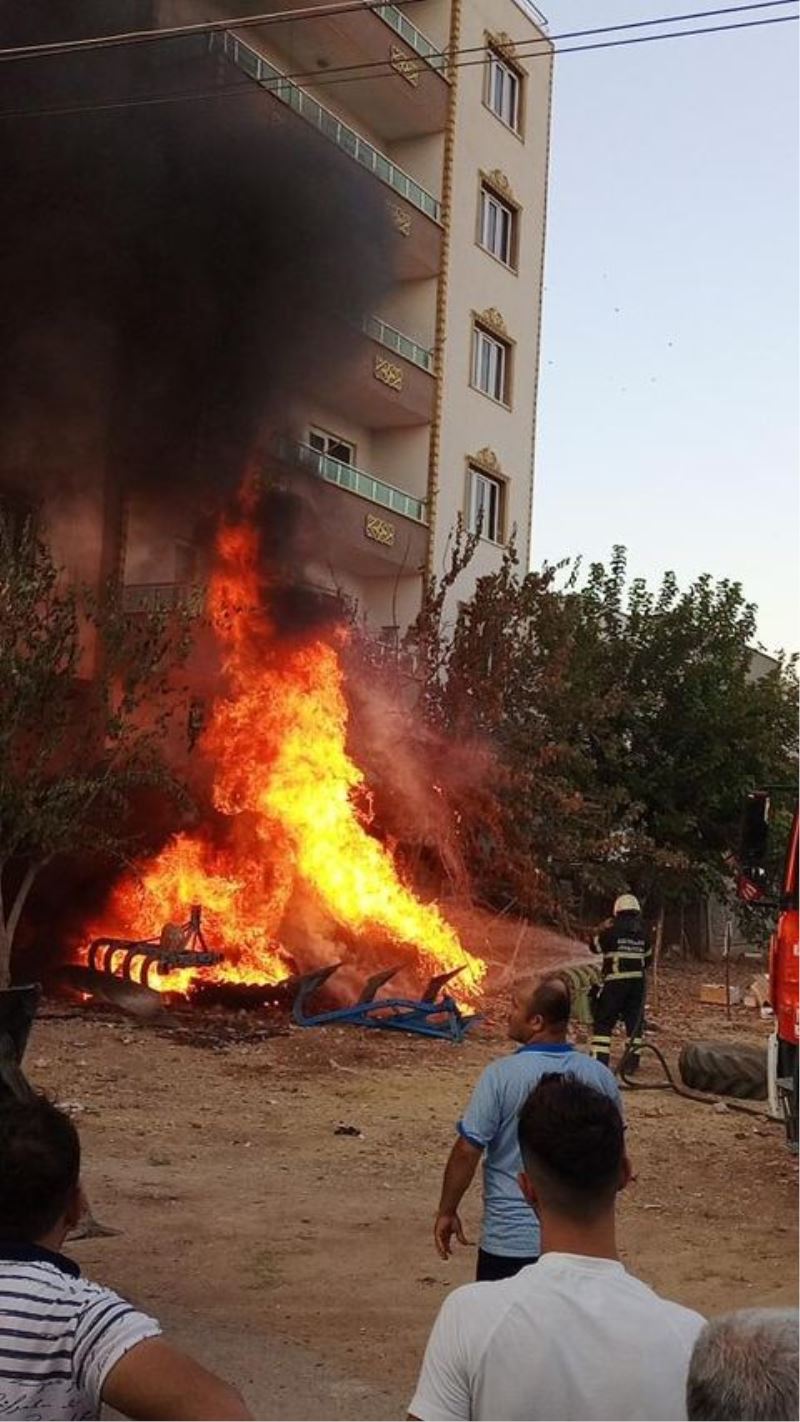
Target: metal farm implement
(434,1014)
(178,946)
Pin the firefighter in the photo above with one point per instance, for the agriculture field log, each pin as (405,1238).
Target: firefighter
(625,950)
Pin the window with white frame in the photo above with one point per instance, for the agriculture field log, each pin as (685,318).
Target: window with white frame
(333,446)
(497,226)
(503,89)
(486,500)
(491,361)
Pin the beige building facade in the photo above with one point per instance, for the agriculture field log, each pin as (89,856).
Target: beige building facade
(447,104)
(429,417)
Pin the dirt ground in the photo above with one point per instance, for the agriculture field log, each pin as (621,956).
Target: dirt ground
(299,1261)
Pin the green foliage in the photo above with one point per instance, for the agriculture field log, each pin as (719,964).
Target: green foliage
(86,698)
(627,725)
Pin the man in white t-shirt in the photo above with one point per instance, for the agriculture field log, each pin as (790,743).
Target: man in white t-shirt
(67,1346)
(574,1335)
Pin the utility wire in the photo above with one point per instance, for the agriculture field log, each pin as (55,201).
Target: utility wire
(421,65)
(334,77)
(339,7)
(203,27)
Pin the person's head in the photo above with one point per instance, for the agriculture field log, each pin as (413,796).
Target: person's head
(40,1157)
(572,1142)
(744,1365)
(539,1010)
(626,903)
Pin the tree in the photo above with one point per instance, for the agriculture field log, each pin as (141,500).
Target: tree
(627,726)
(77,741)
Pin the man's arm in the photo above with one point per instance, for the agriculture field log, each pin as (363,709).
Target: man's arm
(154,1381)
(458,1175)
(443,1391)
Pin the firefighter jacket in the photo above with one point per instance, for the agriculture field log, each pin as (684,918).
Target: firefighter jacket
(624,946)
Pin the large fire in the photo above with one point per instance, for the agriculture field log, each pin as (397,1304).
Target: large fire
(295,809)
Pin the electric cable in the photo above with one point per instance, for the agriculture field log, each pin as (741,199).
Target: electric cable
(332,78)
(340,7)
(274,17)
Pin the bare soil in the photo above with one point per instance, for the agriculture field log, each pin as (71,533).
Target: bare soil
(299,1261)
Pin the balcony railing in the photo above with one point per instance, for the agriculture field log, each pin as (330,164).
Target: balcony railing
(163,597)
(348,477)
(380,330)
(266,74)
(413,37)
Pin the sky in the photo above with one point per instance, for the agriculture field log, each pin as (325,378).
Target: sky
(668,402)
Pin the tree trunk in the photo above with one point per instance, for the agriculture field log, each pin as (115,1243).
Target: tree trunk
(9,920)
(657,954)
(17,1011)
(5,954)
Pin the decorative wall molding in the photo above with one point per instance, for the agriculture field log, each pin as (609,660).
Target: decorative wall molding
(497,179)
(400,219)
(502,42)
(386,371)
(404,65)
(379,529)
(493,320)
(487,460)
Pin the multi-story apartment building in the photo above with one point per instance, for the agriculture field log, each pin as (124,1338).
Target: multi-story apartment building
(446,103)
(444,108)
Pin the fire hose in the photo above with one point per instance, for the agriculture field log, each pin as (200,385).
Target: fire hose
(578,979)
(625,1066)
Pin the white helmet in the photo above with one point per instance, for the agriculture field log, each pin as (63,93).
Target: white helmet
(627,903)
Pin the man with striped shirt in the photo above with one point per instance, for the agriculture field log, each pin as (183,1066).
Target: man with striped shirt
(68,1346)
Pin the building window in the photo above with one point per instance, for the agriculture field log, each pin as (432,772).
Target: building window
(332,446)
(491,365)
(486,505)
(498,224)
(503,90)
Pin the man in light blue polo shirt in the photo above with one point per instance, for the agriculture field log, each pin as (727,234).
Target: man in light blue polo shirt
(538,1020)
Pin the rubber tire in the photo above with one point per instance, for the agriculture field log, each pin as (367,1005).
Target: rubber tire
(725,1068)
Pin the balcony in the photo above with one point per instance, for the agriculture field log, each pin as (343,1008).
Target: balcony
(413,37)
(265,73)
(163,597)
(376,530)
(386,335)
(388,75)
(346,476)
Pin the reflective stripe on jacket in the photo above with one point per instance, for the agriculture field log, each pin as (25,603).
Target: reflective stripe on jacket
(625,948)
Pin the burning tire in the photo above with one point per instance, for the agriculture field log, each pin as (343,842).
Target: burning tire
(725,1068)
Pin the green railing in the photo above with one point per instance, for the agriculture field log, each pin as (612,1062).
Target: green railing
(355,480)
(265,73)
(413,37)
(386,335)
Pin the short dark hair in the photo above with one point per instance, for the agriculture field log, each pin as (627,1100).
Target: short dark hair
(572,1142)
(40,1161)
(550,1001)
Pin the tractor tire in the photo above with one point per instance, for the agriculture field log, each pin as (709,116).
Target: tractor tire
(725,1068)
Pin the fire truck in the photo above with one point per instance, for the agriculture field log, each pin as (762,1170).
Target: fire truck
(759,886)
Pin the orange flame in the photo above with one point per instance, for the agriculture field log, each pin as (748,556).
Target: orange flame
(295,804)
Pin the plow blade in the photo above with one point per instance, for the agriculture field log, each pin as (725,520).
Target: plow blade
(180,945)
(130,997)
(433,1015)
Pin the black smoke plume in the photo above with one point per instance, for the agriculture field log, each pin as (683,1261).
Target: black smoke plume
(171,273)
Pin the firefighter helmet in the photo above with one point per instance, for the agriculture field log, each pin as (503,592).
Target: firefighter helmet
(627,903)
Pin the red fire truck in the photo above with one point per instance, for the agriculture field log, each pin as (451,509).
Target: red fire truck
(757,886)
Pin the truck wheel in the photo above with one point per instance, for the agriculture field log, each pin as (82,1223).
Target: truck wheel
(725,1068)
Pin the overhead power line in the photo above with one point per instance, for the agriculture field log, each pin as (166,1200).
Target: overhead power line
(323,11)
(343,75)
(203,27)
